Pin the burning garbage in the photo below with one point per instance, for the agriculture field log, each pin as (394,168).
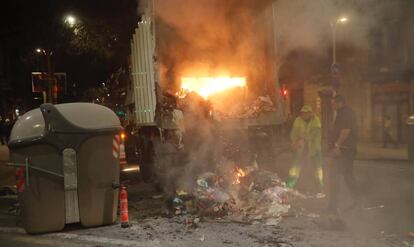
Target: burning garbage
(229,189)
(207,86)
(249,195)
(239,174)
(245,109)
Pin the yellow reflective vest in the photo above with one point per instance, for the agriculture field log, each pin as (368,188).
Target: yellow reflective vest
(309,131)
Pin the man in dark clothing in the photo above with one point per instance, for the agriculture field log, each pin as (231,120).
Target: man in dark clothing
(344,147)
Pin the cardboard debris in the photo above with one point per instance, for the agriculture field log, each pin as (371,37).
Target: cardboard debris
(273,221)
(313,215)
(277,210)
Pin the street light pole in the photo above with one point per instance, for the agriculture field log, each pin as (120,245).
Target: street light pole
(334,24)
(333,43)
(326,94)
(334,66)
(51,79)
(51,96)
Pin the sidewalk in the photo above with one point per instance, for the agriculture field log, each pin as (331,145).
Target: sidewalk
(375,151)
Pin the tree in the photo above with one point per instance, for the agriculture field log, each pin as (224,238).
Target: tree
(88,52)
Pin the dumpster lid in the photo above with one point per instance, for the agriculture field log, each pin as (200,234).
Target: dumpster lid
(30,125)
(89,116)
(86,116)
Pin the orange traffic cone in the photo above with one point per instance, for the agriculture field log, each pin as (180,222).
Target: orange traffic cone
(124,207)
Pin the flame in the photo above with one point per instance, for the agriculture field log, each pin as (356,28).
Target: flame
(207,86)
(239,174)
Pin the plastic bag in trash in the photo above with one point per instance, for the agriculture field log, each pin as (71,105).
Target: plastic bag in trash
(177,200)
(220,196)
(202,183)
(279,193)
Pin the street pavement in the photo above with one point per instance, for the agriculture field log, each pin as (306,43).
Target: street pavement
(385,219)
(375,151)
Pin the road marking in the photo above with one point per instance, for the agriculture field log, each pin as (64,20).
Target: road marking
(105,240)
(37,241)
(15,234)
(11,230)
(46,239)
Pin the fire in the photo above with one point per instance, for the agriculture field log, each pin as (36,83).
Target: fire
(207,86)
(239,174)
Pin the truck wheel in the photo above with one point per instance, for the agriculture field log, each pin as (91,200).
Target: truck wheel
(146,150)
(146,172)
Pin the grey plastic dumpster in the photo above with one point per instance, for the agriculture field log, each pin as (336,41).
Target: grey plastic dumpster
(410,138)
(68,172)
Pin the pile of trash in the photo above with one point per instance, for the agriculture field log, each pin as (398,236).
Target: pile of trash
(207,199)
(244,110)
(263,196)
(251,195)
(211,199)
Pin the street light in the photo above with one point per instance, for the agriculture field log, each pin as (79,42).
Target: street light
(343,19)
(70,20)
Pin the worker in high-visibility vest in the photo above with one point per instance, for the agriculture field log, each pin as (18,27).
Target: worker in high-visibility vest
(306,141)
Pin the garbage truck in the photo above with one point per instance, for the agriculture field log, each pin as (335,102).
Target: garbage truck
(157,112)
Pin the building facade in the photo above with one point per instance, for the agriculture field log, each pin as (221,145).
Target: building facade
(376,77)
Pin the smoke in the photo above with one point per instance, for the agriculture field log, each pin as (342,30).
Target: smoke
(307,25)
(211,38)
(237,38)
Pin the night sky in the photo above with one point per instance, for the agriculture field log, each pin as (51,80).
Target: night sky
(27,25)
